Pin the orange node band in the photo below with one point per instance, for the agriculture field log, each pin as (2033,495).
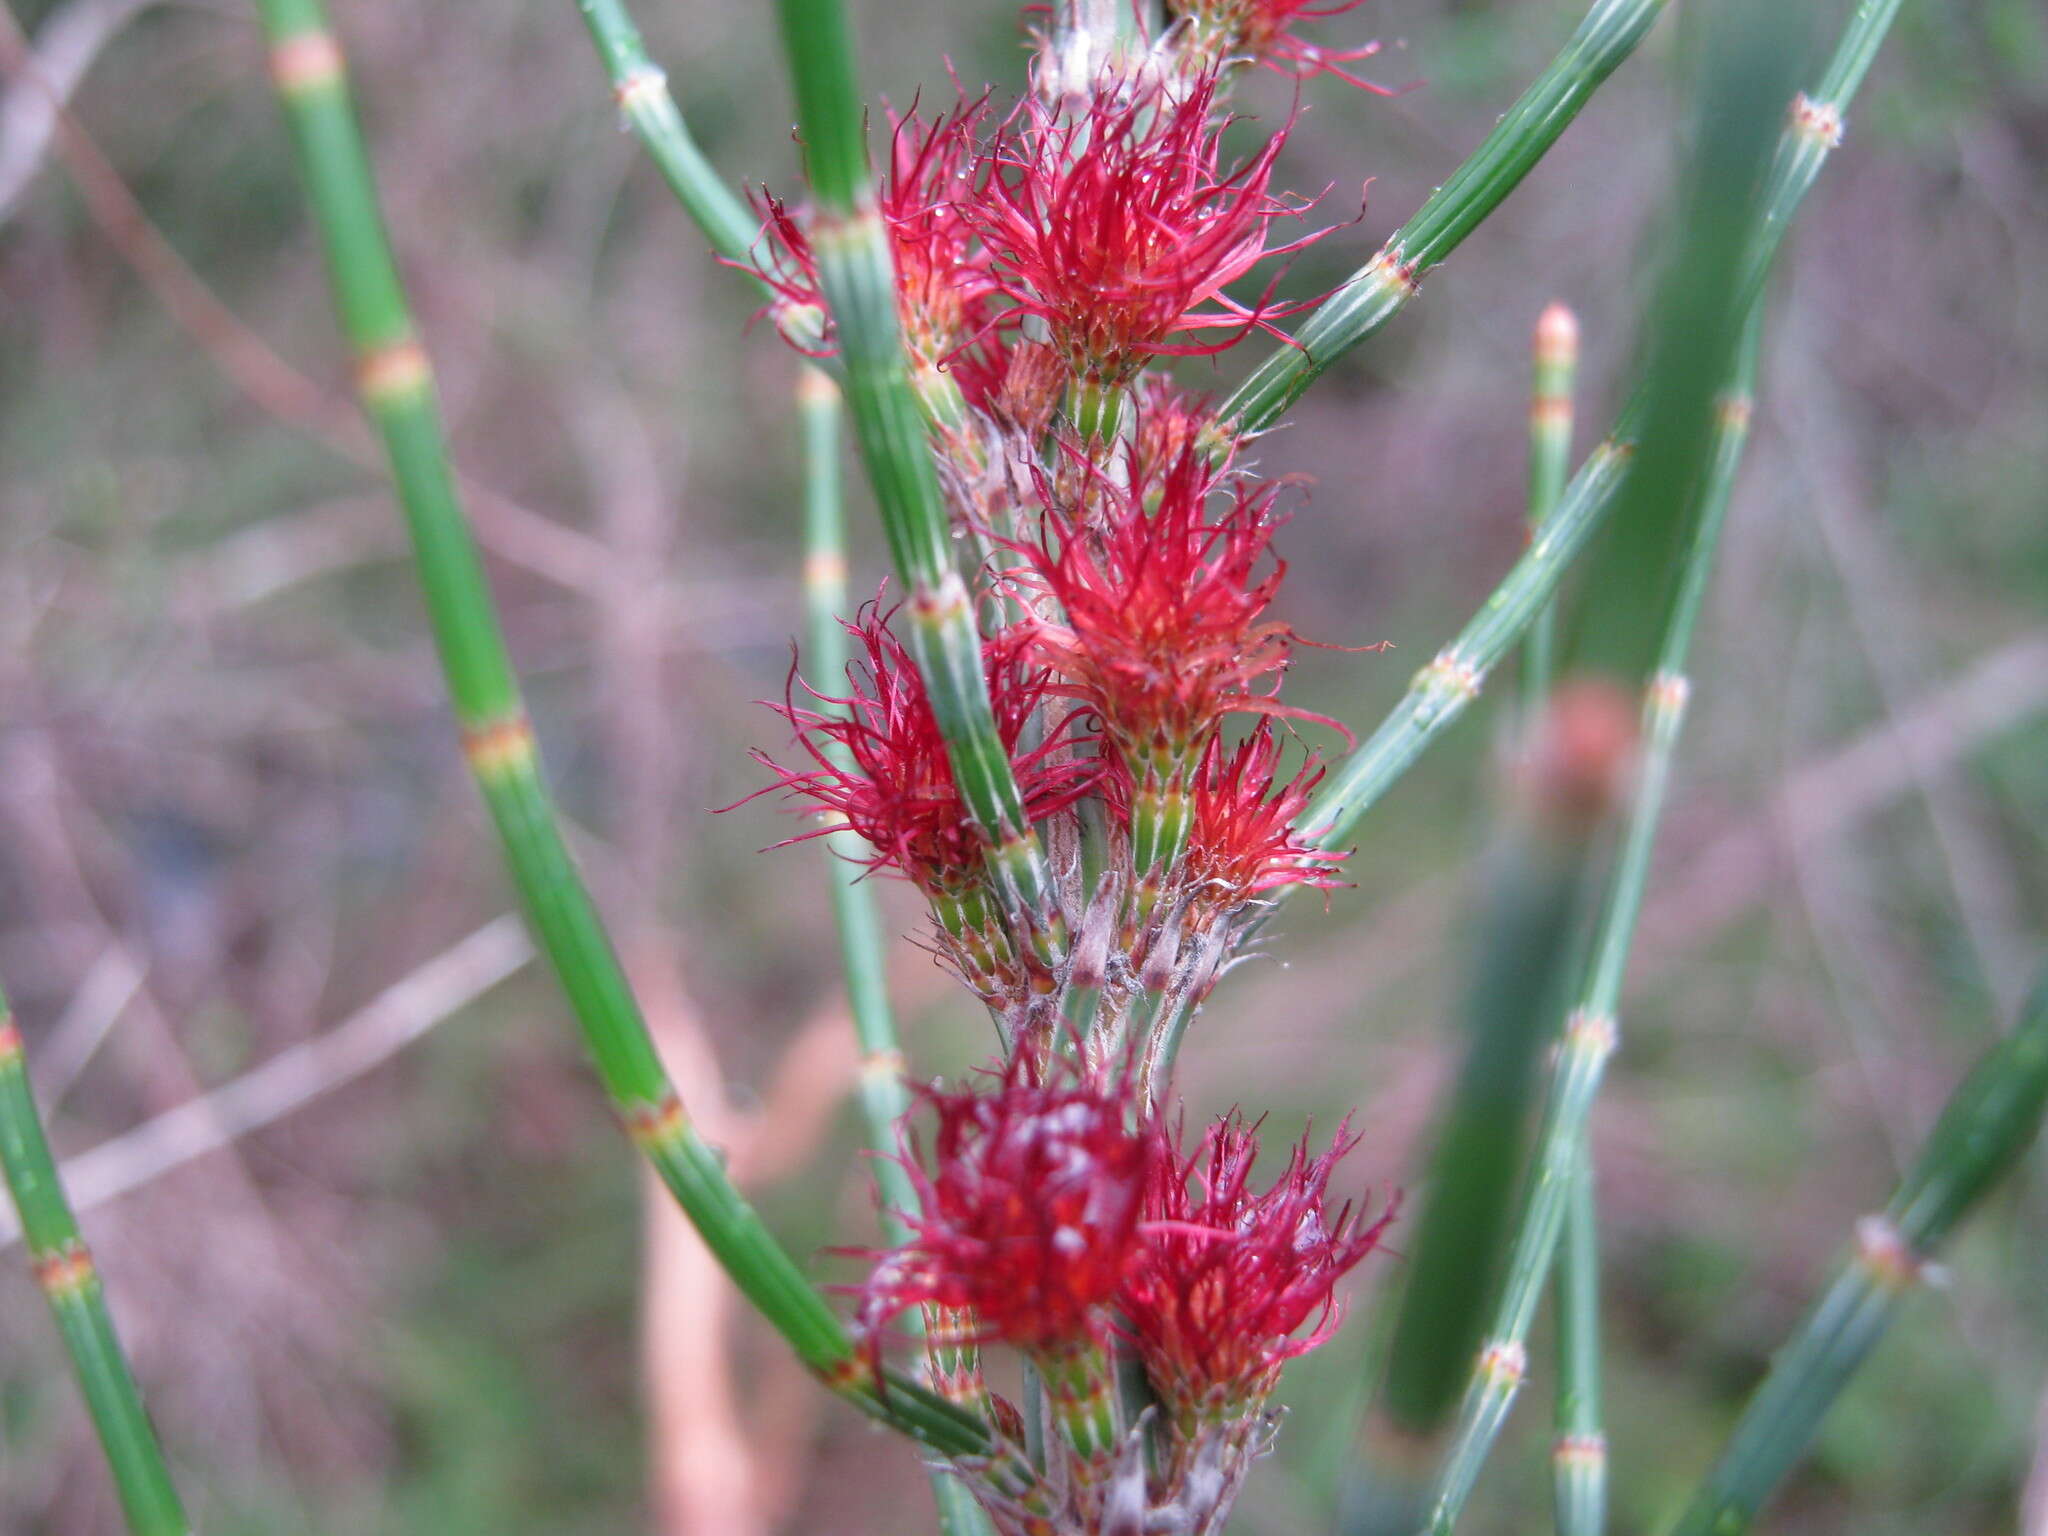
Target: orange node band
(846,1373)
(498,746)
(1388,264)
(306,62)
(388,373)
(65,1272)
(10,1040)
(652,1125)
(823,568)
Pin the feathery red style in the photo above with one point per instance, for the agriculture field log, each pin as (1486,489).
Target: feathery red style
(1028,1215)
(1154,622)
(1230,1277)
(1115,227)
(944,295)
(1243,840)
(1263,30)
(899,792)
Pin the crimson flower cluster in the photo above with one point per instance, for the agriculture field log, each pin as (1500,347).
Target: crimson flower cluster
(1115,228)
(1028,1217)
(1050,259)
(878,760)
(1230,1277)
(1059,1217)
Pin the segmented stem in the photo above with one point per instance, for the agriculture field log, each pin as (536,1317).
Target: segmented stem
(1375,293)
(71,1285)
(1578,1453)
(640,87)
(1555,365)
(1590,1033)
(1984,1130)
(884,1098)
(396,386)
(1813,128)
(1441,691)
(857,276)
(1518,973)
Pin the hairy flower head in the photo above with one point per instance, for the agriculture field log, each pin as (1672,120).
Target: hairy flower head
(1244,840)
(1029,1207)
(1149,591)
(1234,1281)
(1117,226)
(878,760)
(944,294)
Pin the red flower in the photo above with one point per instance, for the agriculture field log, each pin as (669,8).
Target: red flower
(943,288)
(898,791)
(1116,226)
(944,295)
(1243,840)
(1154,619)
(1263,30)
(1230,1277)
(1028,1216)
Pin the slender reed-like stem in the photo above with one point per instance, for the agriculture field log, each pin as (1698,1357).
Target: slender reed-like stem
(1375,293)
(884,1097)
(1441,691)
(1555,365)
(396,386)
(856,273)
(1519,972)
(1985,1128)
(1578,1451)
(71,1284)
(1590,1030)
(640,87)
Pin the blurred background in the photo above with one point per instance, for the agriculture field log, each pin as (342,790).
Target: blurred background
(384,1266)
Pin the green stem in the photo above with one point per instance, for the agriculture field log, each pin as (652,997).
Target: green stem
(1441,691)
(397,390)
(1561,1154)
(69,1281)
(856,273)
(1375,293)
(1555,363)
(884,1100)
(1984,1130)
(640,88)
(1519,973)
(883,1097)
(1578,1454)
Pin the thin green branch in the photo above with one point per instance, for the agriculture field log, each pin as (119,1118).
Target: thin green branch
(1375,293)
(1578,1452)
(1519,970)
(856,273)
(1590,1030)
(1442,690)
(1984,1130)
(1553,372)
(640,88)
(884,1098)
(396,386)
(70,1282)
